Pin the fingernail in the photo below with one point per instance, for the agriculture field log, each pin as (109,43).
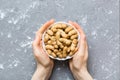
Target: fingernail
(74,22)
(70,21)
(52,20)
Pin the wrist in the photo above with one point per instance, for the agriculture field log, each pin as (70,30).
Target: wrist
(38,75)
(82,74)
(42,73)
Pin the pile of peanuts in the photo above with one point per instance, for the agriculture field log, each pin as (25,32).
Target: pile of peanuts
(61,40)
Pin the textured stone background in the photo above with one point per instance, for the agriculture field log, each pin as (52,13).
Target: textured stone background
(20,19)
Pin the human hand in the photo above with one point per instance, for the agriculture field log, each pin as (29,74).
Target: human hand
(44,63)
(78,64)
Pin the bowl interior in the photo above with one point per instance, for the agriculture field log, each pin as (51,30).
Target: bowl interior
(57,58)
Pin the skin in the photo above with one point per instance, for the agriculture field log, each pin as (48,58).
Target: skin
(44,63)
(78,64)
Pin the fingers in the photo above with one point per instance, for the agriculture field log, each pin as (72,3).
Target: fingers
(46,25)
(70,22)
(86,52)
(82,49)
(82,34)
(38,50)
(79,28)
(38,39)
(36,42)
(40,32)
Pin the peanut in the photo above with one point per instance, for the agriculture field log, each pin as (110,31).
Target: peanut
(74,36)
(68,50)
(63,34)
(75,50)
(54,43)
(71,53)
(58,26)
(54,30)
(66,41)
(75,41)
(49,42)
(72,47)
(56,46)
(57,35)
(52,38)
(64,51)
(49,51)
(68,29)
(46,38)
(49,47)
(50,32)
(60,50)
(53,55)
(59,44)
(63,26)
(60,56)
(64,55)
(72,32)
(55,50)
(58,53)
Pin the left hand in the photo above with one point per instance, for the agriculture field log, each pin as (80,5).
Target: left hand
(44,63)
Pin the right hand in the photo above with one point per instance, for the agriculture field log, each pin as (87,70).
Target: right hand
(78,64)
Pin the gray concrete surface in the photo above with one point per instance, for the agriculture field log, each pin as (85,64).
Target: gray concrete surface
(20,19)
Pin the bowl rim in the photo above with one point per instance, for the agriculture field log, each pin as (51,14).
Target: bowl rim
(57,58)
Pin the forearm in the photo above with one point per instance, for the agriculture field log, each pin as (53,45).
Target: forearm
(82,75)
(40,74)
(86,76)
